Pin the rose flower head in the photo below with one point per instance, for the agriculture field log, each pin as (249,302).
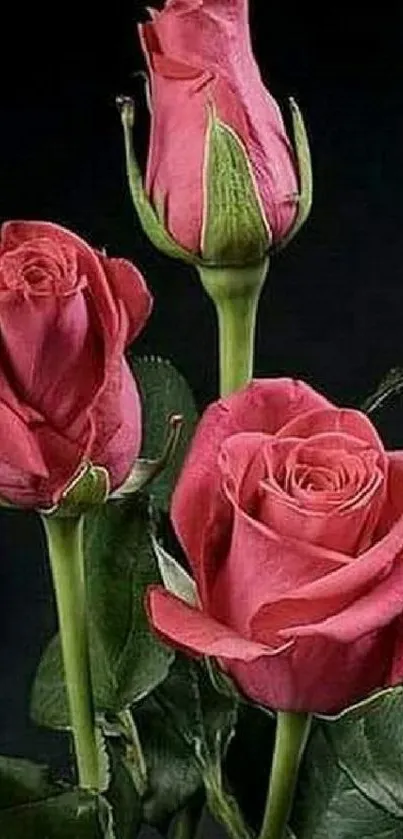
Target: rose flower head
(290,512)
(68,401)
(223,184)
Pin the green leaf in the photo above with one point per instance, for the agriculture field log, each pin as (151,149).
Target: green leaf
(127,660)
(235,231)
(391,385)
(31,805)
(185,728)
(369,748)
(351,780)
(120,565)
(164,393)
(22,781)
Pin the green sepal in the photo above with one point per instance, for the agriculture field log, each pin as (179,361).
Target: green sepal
(89,489)
(304,161)
(165,396)
(234,228)
(151,223)
(146,470)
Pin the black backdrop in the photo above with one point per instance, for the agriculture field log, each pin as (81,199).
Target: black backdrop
(332,310)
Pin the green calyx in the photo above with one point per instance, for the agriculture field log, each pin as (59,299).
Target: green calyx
(87,490)
(234,229)
(235,232)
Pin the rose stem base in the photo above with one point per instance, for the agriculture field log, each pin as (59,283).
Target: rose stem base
(65,543)
(235,292)
(291,738)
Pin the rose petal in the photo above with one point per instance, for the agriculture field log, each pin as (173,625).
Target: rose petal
(318,675)
(338,420)
(129,286)
(346,522)
(18,447)
(196,632)
(61,368)
(23,485)
(393,507)
(117,419)
(325,602)
(259,568)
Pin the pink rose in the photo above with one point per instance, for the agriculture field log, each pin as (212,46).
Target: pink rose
(291,514)
(200,57)
(67,396)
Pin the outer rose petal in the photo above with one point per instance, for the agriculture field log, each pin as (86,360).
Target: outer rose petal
(53,356)
(23,487)
(299,677)
(319,676)
(328,419)
(265,405)
(129,286)
(117,418)
(196,632)
(19,449)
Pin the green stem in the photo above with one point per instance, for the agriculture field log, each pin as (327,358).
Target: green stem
(223,806)
(236,293)
(65,542)
(291,737)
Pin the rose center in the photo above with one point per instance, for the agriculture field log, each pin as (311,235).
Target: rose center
(40,268)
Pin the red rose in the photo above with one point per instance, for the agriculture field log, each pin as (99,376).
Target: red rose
(291,514)
(200,59)
(66,393)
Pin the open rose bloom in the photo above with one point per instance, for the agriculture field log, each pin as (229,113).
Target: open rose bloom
(201,64)
(290,512)
(67,397)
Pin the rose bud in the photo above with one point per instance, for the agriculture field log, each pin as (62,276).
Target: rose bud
(290,512)
(222,182)
(69,406)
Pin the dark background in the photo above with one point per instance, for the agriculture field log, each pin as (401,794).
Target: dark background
(332,309)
